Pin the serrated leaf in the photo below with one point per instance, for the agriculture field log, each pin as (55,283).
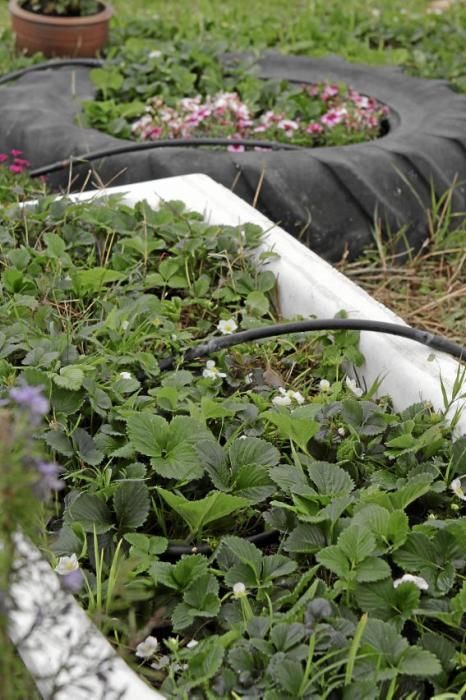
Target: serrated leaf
(71,377)
(58,441)
(305,539)
(384,601)
(131,503)
(330,479)
(419,662)
(86,447)
(333,559)
(372,569)
(285,637)
(92,512)
(356,543)
(276,566)
(244,552)
(198,514)
(147,433)
(287,673)
(93,279)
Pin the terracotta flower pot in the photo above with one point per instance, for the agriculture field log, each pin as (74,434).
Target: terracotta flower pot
(59,36)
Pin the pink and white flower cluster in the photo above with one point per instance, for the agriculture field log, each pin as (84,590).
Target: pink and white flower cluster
(14,162)
(224,115)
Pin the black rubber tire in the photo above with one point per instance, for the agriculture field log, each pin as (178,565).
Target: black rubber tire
(327,197)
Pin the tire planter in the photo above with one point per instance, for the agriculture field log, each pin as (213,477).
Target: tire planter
(50,629)
(326,197)
(59,36)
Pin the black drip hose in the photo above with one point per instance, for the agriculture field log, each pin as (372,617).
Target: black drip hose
(436,342)
(161,143)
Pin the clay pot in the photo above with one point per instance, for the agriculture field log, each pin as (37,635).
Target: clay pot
(59,36)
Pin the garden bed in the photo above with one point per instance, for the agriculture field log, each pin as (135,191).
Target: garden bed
(306,285)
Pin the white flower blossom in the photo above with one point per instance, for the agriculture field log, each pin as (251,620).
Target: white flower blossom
(125,375)
(227,327)
(211,371)
(155,54)
(418,581)
(287,396)
(66,565)
(458,489)
(341,432)
(283,400)
(353,387)
(193,643)
(239,590)
(324,385)
(124,325)
(147,648)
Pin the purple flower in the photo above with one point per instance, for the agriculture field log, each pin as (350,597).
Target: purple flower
(49,472)
(31,399)
(73,581)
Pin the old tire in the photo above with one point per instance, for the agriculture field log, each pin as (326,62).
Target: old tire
(328,197)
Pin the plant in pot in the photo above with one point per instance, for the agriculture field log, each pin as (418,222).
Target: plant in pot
(76,28)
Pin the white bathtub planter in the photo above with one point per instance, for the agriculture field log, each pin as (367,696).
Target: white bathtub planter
(69,658)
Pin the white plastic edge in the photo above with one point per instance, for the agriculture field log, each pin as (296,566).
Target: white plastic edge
(68,656)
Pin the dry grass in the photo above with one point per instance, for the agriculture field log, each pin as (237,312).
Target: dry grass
(428,292)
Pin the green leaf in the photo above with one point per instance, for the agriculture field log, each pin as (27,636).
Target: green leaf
(198,514)
(419,662)
(244,552)
(276,566)
(287,673)
(131,503)
(298,430)
(71,377)
(330,479)
(386,602)
(58,441)
(147,433)
(372,569)
(305,539)
(86,447)
(151,545)
(92,280)
(333,559)
(356,543)
(200,599)
(91,512)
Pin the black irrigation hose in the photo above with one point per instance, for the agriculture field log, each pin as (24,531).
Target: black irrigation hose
(58,63)
(161,143)
(260,540)
(436,342)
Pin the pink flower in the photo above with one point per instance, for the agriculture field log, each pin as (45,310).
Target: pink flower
(333,117)
(328,92)
(3,157)
(260,128)
(155,132)
(17,169)
(23,162)
(314,128)
(235,148)
(14,152)
(287,125)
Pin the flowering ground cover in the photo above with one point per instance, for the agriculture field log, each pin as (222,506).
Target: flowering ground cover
(183,91)
(249,524)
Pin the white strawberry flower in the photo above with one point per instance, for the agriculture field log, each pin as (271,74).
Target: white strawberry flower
(286,396)
(126,375)
(66,565)
(227,327)
(147,648)
(191,644)
(324,385)
(211,371)
(239,590)
(457,489)
(353,387)
(418,581)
